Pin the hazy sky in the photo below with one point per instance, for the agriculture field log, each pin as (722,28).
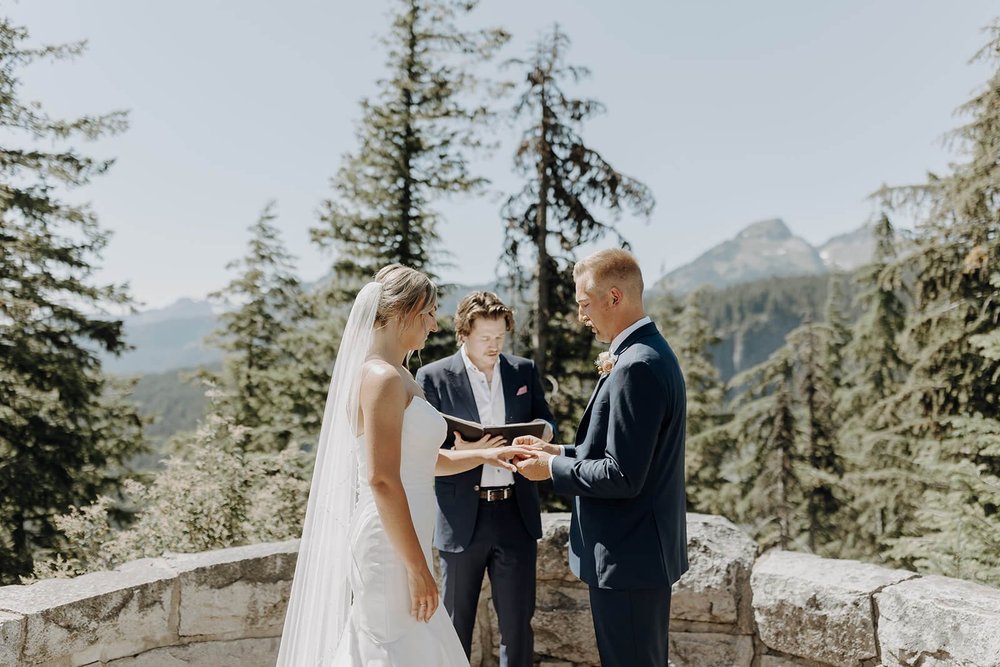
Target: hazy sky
(731,111)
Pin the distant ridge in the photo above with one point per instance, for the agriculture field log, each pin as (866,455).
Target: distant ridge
(768,249)
(172,337)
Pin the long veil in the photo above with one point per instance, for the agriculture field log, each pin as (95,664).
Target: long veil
(321,595)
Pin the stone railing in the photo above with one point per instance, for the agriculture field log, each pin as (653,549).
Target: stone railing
(784,609)
(214,608)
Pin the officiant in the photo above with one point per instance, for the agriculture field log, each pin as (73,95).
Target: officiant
(488,519)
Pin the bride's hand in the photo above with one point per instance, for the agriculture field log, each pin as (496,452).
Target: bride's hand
(423,593)
(503,457)
(484,442)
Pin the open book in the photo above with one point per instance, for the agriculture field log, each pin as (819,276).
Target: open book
(474,430)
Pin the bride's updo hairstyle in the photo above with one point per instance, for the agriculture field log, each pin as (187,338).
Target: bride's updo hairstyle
(405,292)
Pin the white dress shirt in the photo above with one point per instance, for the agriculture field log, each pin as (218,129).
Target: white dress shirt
(615,344)
(620,338)
(492,410)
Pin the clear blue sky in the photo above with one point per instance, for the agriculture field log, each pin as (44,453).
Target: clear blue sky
(731,111)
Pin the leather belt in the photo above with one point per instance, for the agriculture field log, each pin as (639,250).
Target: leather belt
(496,493)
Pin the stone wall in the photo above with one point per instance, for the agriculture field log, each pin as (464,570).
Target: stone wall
(783,609)
(215,608)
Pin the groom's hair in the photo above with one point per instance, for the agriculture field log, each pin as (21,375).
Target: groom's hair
(613,267)
(480,304)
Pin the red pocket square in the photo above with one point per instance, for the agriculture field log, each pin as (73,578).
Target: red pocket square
(522,391)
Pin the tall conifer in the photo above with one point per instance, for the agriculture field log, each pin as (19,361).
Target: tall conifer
(65,428)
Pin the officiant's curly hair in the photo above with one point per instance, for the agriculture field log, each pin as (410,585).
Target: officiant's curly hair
(405,292)
(475,305)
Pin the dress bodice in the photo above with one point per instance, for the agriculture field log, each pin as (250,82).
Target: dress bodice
(424,429)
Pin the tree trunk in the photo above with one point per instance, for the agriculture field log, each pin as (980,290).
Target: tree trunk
(407,256)
(543,312)
(22,555)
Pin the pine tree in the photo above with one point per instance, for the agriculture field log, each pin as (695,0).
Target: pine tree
(554,213)
(879,467)
(765,489)
(837,326)
(823,469)
(951,397)
(65,427)
(707,438)
(877,367)
(783,476)
(256,377)
(414,141)
(309,349)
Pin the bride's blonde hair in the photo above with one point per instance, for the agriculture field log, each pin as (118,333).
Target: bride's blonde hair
(405,292)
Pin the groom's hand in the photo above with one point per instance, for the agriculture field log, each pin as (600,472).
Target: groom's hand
(536,468)
(539,445)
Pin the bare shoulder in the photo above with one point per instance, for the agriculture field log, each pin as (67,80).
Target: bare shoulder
(381,381)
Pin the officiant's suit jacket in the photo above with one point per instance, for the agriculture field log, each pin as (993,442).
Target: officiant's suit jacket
(446,385)
(626,471)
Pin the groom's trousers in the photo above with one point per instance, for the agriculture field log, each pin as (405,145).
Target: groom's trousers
(631,626)
(501,546)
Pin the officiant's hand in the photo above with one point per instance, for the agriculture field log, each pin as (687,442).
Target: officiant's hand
(531,442)
(484,442)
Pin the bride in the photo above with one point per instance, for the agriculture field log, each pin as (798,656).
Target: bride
(370,517)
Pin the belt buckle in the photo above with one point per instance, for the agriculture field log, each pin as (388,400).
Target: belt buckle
(498,494)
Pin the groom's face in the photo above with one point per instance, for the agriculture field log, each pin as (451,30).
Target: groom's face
(594,308)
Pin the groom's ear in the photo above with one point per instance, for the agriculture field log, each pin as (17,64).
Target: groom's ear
(616,296)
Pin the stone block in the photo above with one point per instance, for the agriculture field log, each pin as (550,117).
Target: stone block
(95,617)
(564,629)
(553,549)
(934,621)
(11,638)
(716,588)
(235,653)
(780,661)
(696,649)
(236,592)
(818,608)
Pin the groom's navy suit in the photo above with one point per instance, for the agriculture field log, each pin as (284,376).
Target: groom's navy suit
(628,537)
(474,535)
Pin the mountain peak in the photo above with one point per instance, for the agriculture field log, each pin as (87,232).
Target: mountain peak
(768,248)
(764,249)
(774,229)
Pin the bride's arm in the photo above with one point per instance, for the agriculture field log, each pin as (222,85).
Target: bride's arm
(454,461)
(383,400)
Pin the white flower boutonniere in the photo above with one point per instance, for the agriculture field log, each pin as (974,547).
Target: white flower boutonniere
(605,362)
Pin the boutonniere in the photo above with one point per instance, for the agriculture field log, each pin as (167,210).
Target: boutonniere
(605,362)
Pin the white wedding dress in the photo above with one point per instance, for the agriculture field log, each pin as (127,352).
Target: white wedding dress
(380,631)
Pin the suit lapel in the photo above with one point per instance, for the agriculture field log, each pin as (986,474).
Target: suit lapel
(585,420)
(464,401)
(641,332)
(508,382)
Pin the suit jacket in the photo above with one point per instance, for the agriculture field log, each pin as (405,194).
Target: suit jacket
(447,387)
(626,471)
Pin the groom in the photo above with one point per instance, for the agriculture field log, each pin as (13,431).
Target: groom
(628,537)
